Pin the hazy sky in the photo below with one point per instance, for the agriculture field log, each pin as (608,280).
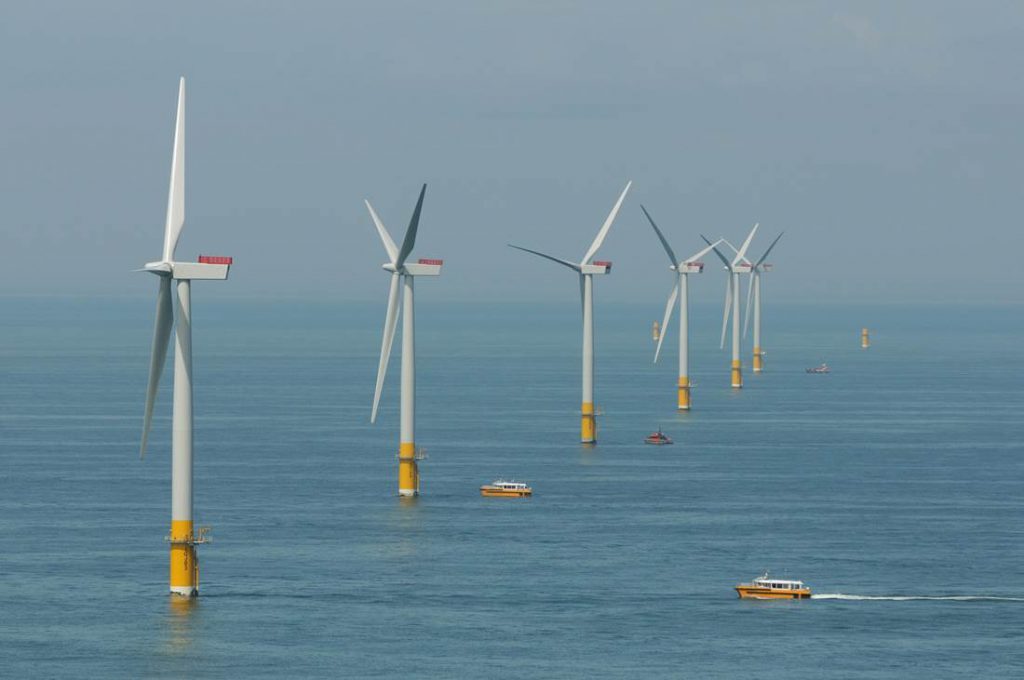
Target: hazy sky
(883,137)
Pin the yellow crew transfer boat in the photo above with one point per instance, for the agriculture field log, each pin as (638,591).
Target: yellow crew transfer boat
(765,588)
(502,489)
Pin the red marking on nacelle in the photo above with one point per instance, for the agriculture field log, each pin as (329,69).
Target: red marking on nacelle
(215,259)
(427,260)
(603,263)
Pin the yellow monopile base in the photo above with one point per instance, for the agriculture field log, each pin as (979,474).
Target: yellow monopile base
(865,342)
(588,424)
(184,562)
(737,373)
(684,393)
(408,471)
(758,360)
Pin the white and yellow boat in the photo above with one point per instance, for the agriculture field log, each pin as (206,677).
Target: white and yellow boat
(765,588)
(502,489)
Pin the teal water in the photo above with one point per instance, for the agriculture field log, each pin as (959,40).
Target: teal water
(892,486)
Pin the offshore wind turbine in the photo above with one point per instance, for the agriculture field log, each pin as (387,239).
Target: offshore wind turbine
(682,268)
(184,568)
(738,265)
(757,268)
(587,268)
(403,275)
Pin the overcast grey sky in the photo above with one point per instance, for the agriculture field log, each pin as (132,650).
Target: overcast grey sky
(883,137)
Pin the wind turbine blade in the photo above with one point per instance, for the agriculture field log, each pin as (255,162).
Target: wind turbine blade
(599,239)
(158,355)
(668,316)
(765,256)
(750,290)
(390,323)
(696,256)
(723,258)
(570,265)
(176,193)
(741,254)
(725,314)
(661,237)
(385,237)
(583,296)
(410,234)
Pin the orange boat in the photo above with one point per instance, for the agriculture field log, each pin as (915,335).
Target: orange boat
(765,588)
(502,489)
(658,438)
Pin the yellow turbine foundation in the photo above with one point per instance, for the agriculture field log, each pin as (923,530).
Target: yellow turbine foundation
(184,562)
(588,424)
(737,373)
(865,342)
(684,393)
(758,360)
(408,471)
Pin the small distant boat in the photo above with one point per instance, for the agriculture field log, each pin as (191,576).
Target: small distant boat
(658,438)
(765,588)
(820,369)
(501,489)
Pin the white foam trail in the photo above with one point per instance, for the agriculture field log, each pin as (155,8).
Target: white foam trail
(907,598)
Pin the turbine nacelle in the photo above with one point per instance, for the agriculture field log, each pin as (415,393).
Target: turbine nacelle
(423,267)
(599,267)
(216,270)
(688,268)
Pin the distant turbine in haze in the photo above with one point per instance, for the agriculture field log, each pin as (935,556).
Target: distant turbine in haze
(734,267)
(683,268)
(757,268)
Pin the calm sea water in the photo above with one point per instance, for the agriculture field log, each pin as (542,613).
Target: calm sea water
(892,485)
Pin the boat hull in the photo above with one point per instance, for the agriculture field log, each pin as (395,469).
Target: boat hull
(505,493)
(758,593)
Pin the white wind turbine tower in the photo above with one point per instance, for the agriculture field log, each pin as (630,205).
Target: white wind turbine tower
(403,274)
(682,268)
(757,268)
(738,265)
(586,269)
(184,569)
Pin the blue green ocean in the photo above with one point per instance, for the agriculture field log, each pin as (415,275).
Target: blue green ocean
(892,486)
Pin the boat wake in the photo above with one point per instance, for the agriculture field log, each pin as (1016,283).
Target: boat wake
(909,598)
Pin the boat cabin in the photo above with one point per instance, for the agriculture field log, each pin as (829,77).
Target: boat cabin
(510,486)
(778,584)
